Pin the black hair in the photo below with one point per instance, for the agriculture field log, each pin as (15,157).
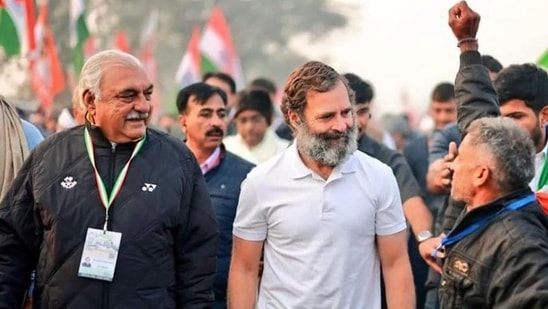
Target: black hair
(257,100)
(363,90)
(222,76)
(491,63)
(443,92)
(526,82)
(201,92)
(263,84)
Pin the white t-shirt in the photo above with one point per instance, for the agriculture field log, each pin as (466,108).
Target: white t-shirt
(320,234)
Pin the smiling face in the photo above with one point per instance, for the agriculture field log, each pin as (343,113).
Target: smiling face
(328,132)
(123,109)
(204,124)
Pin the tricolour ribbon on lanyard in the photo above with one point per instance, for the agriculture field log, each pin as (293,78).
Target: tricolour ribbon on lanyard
(452,238)
(107,198)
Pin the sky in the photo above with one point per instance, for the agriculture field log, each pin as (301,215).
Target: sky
(404,48)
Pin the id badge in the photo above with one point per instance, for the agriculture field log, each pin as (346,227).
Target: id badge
(100,254)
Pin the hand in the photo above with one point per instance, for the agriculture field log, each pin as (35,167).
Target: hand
(463,21)
(428,247)
(446,173)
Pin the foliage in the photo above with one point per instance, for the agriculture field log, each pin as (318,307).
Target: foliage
(261,29)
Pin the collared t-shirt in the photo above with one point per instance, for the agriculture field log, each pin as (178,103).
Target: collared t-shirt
(319,234)
(211,162)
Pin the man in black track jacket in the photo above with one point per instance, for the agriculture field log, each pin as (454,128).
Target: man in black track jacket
(127,202)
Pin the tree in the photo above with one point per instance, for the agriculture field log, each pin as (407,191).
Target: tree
(261,29)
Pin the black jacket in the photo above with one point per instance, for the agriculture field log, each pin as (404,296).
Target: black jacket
(223,183)
(502,265)
(169,234)
(476,98)
(407,183)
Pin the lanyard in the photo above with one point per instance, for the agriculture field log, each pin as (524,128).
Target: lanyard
(108,198)
(453,239)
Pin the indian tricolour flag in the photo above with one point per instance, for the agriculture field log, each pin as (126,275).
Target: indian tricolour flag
(189,68)
(543,60)
(16,19)
(189,71)
(217,49)
(79,34)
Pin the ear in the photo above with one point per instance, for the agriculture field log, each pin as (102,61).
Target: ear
(89,101)
(181,119)
(294,118)
(481,176)
(543,116)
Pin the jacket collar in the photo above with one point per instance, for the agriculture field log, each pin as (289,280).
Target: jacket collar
(99,139)
(489,209)
(367,144)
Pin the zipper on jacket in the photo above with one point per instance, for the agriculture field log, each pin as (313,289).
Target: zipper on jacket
(105,296)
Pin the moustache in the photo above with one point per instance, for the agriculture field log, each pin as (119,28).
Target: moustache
(215,131)
(134,115)
(334,135)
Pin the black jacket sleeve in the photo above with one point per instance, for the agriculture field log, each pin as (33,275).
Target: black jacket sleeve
(20,239)
(197,242)
(474,91)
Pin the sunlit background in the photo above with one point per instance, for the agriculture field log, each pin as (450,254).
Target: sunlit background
(402,47)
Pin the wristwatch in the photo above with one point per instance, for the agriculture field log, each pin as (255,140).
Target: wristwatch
(424,235)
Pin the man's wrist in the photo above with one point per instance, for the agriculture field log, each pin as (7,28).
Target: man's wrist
(423,236)
(468,44)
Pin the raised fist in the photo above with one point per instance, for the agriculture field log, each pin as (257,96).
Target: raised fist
(463,21)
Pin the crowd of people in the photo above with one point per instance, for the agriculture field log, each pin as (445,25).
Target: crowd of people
(308,206)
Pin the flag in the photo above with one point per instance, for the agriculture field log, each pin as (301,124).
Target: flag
(146,55)
(16,26)
(189,68)
(543,60)
(46,71)
(217,49)
(79,34)
(121,42)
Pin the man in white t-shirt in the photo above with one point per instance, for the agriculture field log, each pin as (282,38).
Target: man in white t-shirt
(329,216)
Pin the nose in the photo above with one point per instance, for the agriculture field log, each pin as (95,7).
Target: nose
(142,105)
(341,124)
(218,121)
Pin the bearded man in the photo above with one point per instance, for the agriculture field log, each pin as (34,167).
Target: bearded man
(327,214)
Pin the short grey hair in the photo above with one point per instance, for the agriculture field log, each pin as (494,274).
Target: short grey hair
(94,68)
(511,150)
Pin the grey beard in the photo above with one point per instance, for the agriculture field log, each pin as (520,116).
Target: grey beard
(319,148)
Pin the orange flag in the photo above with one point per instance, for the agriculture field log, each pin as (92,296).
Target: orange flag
(46,70)
(121,42)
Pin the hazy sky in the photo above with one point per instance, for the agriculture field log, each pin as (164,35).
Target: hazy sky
(404,46)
